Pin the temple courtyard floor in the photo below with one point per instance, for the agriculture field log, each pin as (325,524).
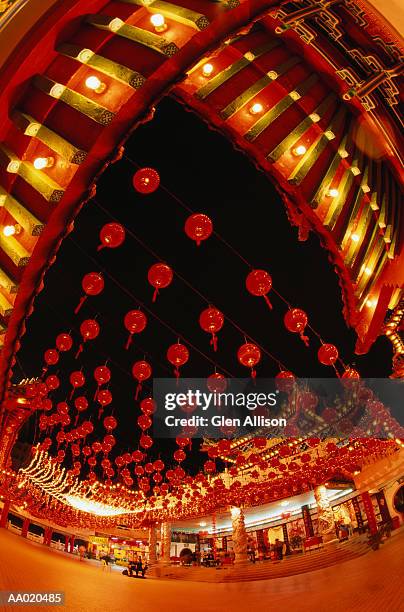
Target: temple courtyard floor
(371,582)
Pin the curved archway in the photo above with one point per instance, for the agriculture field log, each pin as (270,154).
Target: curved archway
(69,46)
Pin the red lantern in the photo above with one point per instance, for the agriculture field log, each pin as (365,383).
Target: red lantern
(158,465)
(351,373)
(102,375)
(112,236)
(81,403)
(145,441)
(148,406)
(216,383)
(178,355)
(92,284)
(160,276)
(182,441)
(198,227)
(210,466)
(110,423)
(249,355)
(64,342)
(137,456)
(179,455)
(146,180)
(141,370)
(135,321)
(51,356)
(224,447)
(259,283)
(211,320)
(295,321)
(104,397)
(327,354)
(77,379)
(285,381)
(52,382)
(144,422)
(89,330)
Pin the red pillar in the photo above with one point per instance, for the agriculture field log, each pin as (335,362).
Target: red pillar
(4,513)
(67,539)
(25,526)
(370,514)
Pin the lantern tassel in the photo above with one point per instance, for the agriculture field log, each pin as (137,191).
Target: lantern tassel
(129,340)
(76,420)
(138,390)
(96,392)
(80,304)
(79,351)
(214,341)
(155,294)
(176,374)
(100,246)
(266,298)
(100,413)
(72,393)
(253,374)
(304,338)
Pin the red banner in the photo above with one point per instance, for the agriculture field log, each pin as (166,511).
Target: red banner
(370,514)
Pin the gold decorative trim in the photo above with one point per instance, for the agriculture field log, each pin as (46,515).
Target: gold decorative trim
(41,182)
(297,132)
(280,107)
(116,71)
(14,250)
(230,71)
(180,14)
(20,214)
(7,283)
(338,202)
(257,87)
(51,139)
(317,147)
(142,37)
(332,168)
(5,307)
(81,103)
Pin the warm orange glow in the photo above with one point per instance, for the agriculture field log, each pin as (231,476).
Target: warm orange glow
(9,230)
(207,69)
(43,162)
(300,150)
(256,108)
(333,193)
(159,22)
(94,83)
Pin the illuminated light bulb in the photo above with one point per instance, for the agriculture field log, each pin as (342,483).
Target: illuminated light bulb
(355,237)
(207,70)
(333,193)
(43,162)
(371,303)
(202,524)
(343,153)
(94,83)
(11,230)
(315,117)
(368,271)
(159,22)
(256,108)
(300,150)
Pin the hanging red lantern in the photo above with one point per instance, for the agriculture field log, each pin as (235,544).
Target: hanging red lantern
(112,236)
(209,466)
(351,373)
(249,355)
(137,456)
(92,284)
(51,356)
(148,406)
(216,383)
(260,443)
(62,408)
(179,455)
(89,330)
(211,320)
(327,354)
(102,375)
(160,276)
(198,227)
(259,283)
(52,382)
(224,447)
(104,397)
(158,465)
(296,321)
(64,342)
(285,381)
(81,403)
(77,379)
(144,422)
(141,370)
(135,321)
(145,441)
(178,355)
(110,423)
(182,441)
(146,180)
